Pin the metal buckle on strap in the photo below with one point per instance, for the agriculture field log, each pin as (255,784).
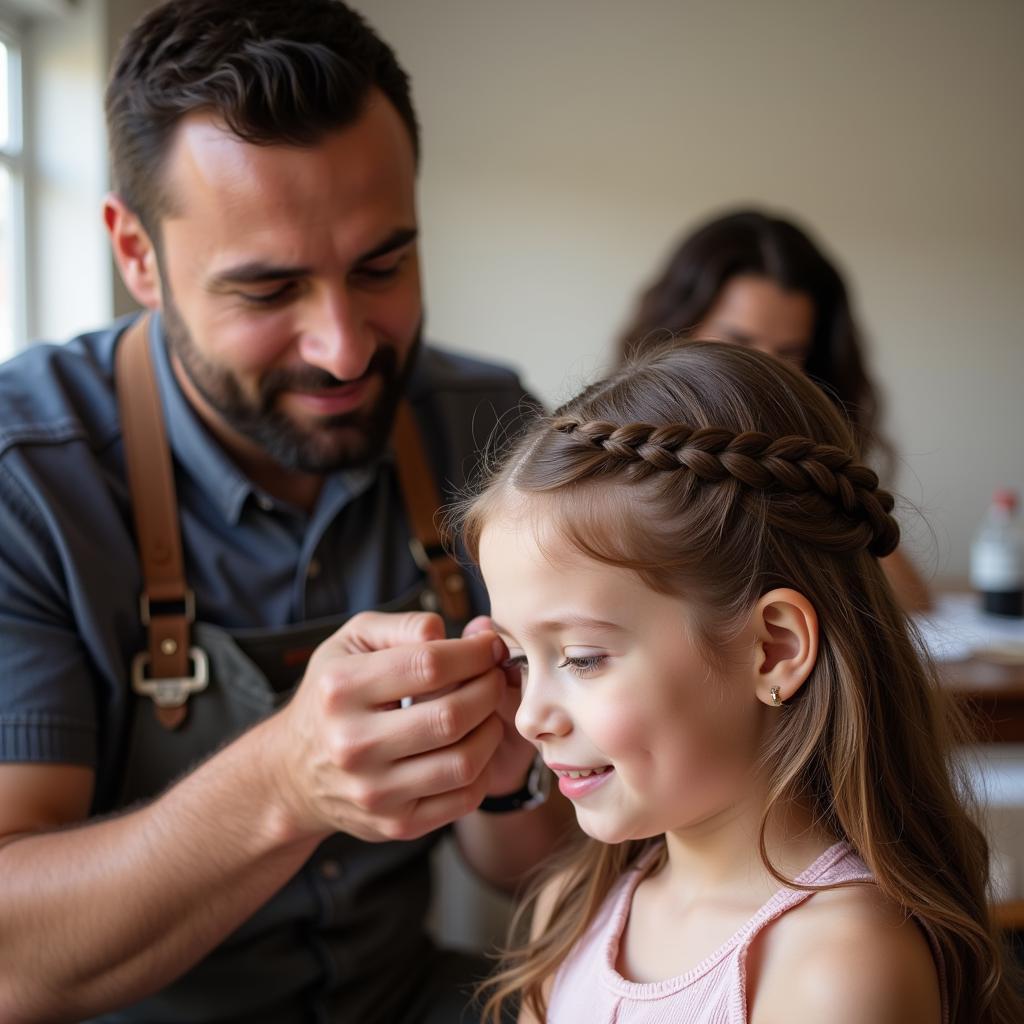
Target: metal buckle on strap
(185,606)
(174,691)
(422,556)
(436,559)
(446,593)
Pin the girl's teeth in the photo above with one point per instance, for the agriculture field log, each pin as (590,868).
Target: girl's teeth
(584,773)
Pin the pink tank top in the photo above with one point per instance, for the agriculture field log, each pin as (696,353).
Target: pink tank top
(589,990)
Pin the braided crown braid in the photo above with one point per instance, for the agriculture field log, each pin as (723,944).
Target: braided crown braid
(759,462)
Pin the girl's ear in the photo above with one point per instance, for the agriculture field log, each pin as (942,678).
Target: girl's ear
(785,627)
(134,252)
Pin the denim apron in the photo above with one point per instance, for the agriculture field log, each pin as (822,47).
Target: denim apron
(343,941)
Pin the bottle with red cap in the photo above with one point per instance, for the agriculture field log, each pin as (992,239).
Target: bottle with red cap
(997,557)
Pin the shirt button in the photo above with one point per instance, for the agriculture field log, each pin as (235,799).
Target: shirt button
(265,503)
(313,569)
(330,870)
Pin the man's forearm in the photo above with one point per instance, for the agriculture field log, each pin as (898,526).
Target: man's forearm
(504,848)
(101,915)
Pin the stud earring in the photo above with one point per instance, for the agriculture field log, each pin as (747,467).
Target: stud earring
(773,697)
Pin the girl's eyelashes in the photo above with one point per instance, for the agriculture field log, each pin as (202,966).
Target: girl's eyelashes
(585,665)
(581,665)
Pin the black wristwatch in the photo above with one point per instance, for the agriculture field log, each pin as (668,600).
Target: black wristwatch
(533,793)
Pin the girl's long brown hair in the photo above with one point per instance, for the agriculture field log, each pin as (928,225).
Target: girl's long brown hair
(718,473)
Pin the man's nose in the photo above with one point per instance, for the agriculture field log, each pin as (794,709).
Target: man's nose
(337,336)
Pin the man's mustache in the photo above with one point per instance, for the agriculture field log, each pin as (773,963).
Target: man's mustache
(312,378)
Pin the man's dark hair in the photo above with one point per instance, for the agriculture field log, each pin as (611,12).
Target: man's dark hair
(274,71)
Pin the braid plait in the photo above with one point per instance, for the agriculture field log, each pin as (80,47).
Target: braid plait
(713,454)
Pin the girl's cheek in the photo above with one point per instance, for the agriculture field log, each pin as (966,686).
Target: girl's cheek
(621,729)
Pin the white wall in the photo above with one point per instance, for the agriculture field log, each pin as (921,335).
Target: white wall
(568,143)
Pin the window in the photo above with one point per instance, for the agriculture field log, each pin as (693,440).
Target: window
(12,204)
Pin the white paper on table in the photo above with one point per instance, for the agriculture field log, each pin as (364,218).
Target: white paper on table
(995,777)
(956,629)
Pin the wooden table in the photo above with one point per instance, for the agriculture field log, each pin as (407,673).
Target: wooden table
(1010,916)
(992,695)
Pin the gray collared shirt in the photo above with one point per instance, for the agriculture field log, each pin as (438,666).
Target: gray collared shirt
(69,574)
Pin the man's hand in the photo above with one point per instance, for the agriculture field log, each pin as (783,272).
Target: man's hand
(512,759)
(347,757)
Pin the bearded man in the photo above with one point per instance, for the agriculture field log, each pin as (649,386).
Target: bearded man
(232,726)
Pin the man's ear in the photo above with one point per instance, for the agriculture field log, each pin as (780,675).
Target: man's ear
(785,627)
(134,252)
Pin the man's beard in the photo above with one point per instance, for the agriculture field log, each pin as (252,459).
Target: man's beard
(335,442)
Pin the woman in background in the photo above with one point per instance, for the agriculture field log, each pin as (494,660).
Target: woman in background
(759,281)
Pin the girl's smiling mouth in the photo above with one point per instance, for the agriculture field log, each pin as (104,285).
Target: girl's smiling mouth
(575,782)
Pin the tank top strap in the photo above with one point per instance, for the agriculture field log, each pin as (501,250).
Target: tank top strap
(940,967)
(837,865)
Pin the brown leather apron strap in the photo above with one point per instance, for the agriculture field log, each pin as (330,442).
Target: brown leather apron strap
(170,669)
(422,502)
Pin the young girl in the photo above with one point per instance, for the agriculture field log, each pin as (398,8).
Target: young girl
(683,563)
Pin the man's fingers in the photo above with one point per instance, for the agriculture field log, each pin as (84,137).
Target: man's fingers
(377,631)
(377,762)
(433,812)
(481,624)
(381,678)
(440,771)
(377,740)
(435,724)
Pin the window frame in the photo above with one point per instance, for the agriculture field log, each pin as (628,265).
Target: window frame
(13,159)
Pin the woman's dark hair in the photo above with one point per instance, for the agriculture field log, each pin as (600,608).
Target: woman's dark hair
(753,242)
(274,71)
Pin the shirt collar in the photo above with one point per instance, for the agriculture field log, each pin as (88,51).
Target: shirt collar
(206,461)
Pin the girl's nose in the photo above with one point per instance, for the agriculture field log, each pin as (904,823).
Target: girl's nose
(541,715)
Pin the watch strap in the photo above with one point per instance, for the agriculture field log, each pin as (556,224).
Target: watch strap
(533,792)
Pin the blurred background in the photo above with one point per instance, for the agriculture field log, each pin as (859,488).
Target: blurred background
(569,143)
